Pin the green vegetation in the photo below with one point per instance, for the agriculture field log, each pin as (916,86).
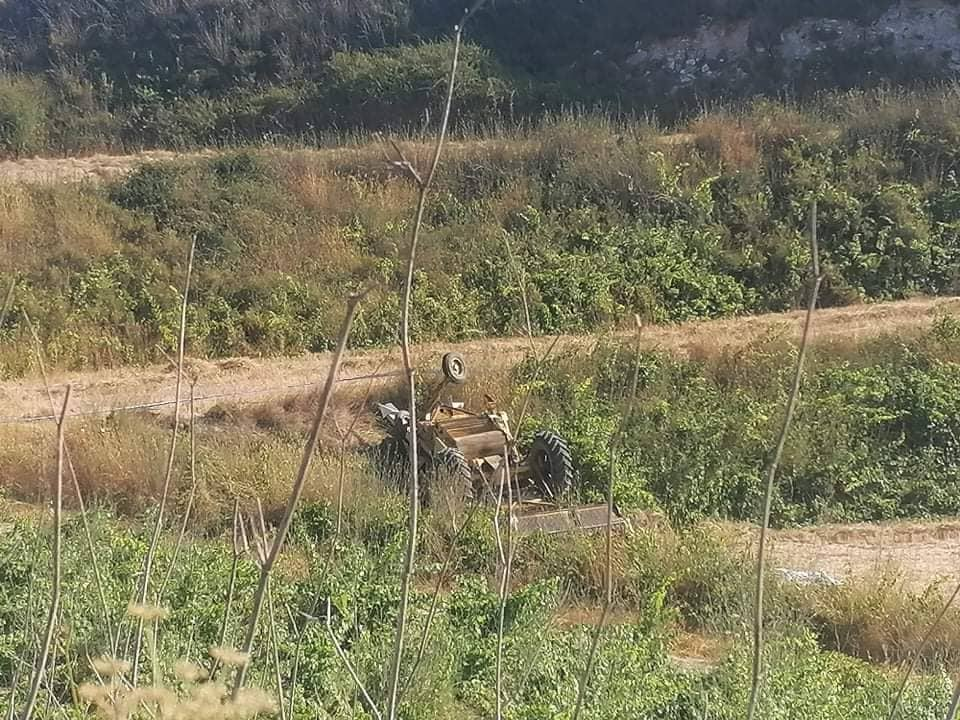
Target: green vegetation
(543,657)
(605,219)
(874,437)
(590,218)
(134,73)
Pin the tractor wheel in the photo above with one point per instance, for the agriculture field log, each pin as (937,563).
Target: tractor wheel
(391,458)
(550,463)
(450,479)
(454,368)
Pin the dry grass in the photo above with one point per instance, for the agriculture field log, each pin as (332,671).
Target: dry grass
(879,618)
(726,142)
(64,223)
(119,464)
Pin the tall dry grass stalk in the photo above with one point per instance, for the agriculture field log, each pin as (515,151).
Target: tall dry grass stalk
(294,499)
(81,504)
(238,548)
(187,513)
(41,662)
(368,701)
(144,590)
(608,546)
(424,183)
(506,563)
(274,642)
(757,662)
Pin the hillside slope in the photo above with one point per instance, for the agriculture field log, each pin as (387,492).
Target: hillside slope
(107,75)
(596,220)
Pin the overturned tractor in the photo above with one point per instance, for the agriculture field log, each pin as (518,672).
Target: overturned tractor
(461,455)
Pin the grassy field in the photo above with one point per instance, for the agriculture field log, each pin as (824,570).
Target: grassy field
(677,643)
(580,223)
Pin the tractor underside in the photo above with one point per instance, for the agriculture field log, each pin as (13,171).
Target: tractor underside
(461,455)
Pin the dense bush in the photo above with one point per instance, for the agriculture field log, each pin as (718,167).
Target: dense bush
(22,115)
(875,436)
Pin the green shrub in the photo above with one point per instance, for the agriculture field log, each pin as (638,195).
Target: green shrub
(22,115)
(874,437)
(394,86)
(803,681)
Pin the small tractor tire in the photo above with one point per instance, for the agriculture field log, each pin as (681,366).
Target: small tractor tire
(454,368)
(551,464)
(451,477)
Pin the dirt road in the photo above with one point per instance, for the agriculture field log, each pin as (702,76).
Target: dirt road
(104,167)
(920,553)
(241,380)
(92,168)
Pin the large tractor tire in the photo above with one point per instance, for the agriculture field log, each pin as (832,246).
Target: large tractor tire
(551,464)
(449,479)
(392,462)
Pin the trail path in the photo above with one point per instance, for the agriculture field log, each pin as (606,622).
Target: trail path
(79,169)
(101,167)
(254,379)
(917,553)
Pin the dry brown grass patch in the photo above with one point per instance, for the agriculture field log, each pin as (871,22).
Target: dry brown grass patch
(878,618)
(726,142)
(119,464)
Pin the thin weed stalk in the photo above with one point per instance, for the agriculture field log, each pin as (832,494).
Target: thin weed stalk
(305,461)
(341,476)
(410,552)
(757,662)
(168,474)
(338,530)
(188,512)
(368,701)
(435,599)
(274,642)
(81,504)
(41,662)
(504,581)
(231,584)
